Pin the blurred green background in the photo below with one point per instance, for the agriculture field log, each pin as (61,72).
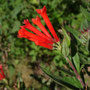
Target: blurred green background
(21,57)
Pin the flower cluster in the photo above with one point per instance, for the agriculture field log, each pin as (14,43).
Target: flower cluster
(2,76)
(40,38)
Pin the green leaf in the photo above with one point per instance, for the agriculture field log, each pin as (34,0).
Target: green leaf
(84,24)
(76,34)
(76,61)
(66,43)
(66,37)
(73,81)
(65,48)
(62,80)
(66,72)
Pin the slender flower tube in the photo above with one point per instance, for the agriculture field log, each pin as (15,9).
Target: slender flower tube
(43,13)
(22,33)
(2,76)
(39,24)
(33,29)
(43,44)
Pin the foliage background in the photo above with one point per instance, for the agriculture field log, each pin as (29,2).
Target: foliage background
(21,57)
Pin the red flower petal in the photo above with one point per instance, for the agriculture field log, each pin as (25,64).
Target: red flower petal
(24,33)
(43,44)
(39,24)
(41,11)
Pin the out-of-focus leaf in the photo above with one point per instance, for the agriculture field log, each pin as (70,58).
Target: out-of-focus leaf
(45,88)
(84,59)
(85,13)
(11,70)
(16,10)
(35,1)
(45,2)
(16,26)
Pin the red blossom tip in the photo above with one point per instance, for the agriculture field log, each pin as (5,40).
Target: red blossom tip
(26,21)
(40,11)
(22,27)
(36,20)
(21,33)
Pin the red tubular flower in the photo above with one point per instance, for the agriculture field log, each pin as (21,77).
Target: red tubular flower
(39,24)
(43,13)
(39,38)
(2,76)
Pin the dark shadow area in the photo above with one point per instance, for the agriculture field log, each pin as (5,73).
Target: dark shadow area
(72,6)
(89,45)
(73,45)
(87,68)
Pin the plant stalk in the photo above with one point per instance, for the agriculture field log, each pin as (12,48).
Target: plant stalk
(75,71)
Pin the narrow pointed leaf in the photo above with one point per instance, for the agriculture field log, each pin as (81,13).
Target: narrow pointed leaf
(62,80)
(76,61)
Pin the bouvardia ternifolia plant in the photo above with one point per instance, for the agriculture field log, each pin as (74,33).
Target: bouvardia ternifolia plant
(53,42)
